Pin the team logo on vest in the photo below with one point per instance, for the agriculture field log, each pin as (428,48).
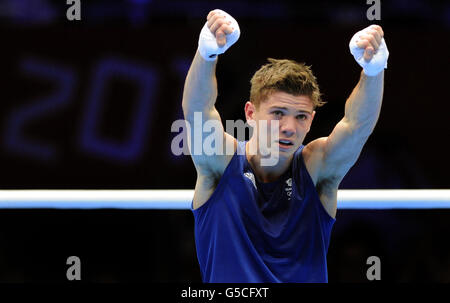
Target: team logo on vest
(288,188)
(251,177)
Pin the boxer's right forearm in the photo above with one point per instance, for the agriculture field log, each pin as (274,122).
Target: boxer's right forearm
(200,87)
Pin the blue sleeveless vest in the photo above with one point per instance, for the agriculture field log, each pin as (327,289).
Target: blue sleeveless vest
(256,232)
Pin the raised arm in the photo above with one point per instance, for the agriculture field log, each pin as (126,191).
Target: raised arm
(330,158)
(200,88)
(199,97)
(343,146)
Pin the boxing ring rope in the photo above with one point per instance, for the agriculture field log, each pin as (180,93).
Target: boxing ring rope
(181,199)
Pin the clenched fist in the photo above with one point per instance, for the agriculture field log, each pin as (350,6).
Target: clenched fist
(217,35)
(370,50)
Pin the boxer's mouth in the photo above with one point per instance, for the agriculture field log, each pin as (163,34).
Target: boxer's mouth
(284,143)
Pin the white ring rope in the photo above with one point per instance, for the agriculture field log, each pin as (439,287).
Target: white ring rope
(181,199)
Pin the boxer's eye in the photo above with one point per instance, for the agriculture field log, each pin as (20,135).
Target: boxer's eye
(277,114)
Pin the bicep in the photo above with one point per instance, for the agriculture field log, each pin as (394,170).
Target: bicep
(211,148)
(330,158)
(341,149)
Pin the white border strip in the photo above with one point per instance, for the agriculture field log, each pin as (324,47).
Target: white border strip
(181,199)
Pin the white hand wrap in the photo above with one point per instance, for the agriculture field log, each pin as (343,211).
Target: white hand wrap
(379,59)
(207,43)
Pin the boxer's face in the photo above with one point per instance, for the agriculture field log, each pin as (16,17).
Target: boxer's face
(293,113)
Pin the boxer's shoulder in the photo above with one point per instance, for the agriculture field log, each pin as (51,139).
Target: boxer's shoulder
(312,155)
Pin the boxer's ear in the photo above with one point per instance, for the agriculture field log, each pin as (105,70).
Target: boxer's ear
(250,110)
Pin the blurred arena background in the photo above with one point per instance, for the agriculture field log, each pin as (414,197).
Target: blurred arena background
(89,105)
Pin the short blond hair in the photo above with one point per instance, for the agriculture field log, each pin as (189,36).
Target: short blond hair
(285,76)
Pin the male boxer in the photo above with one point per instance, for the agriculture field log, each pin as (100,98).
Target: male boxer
(256,223)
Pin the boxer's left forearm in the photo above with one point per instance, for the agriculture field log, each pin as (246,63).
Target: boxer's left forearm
(362,108)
